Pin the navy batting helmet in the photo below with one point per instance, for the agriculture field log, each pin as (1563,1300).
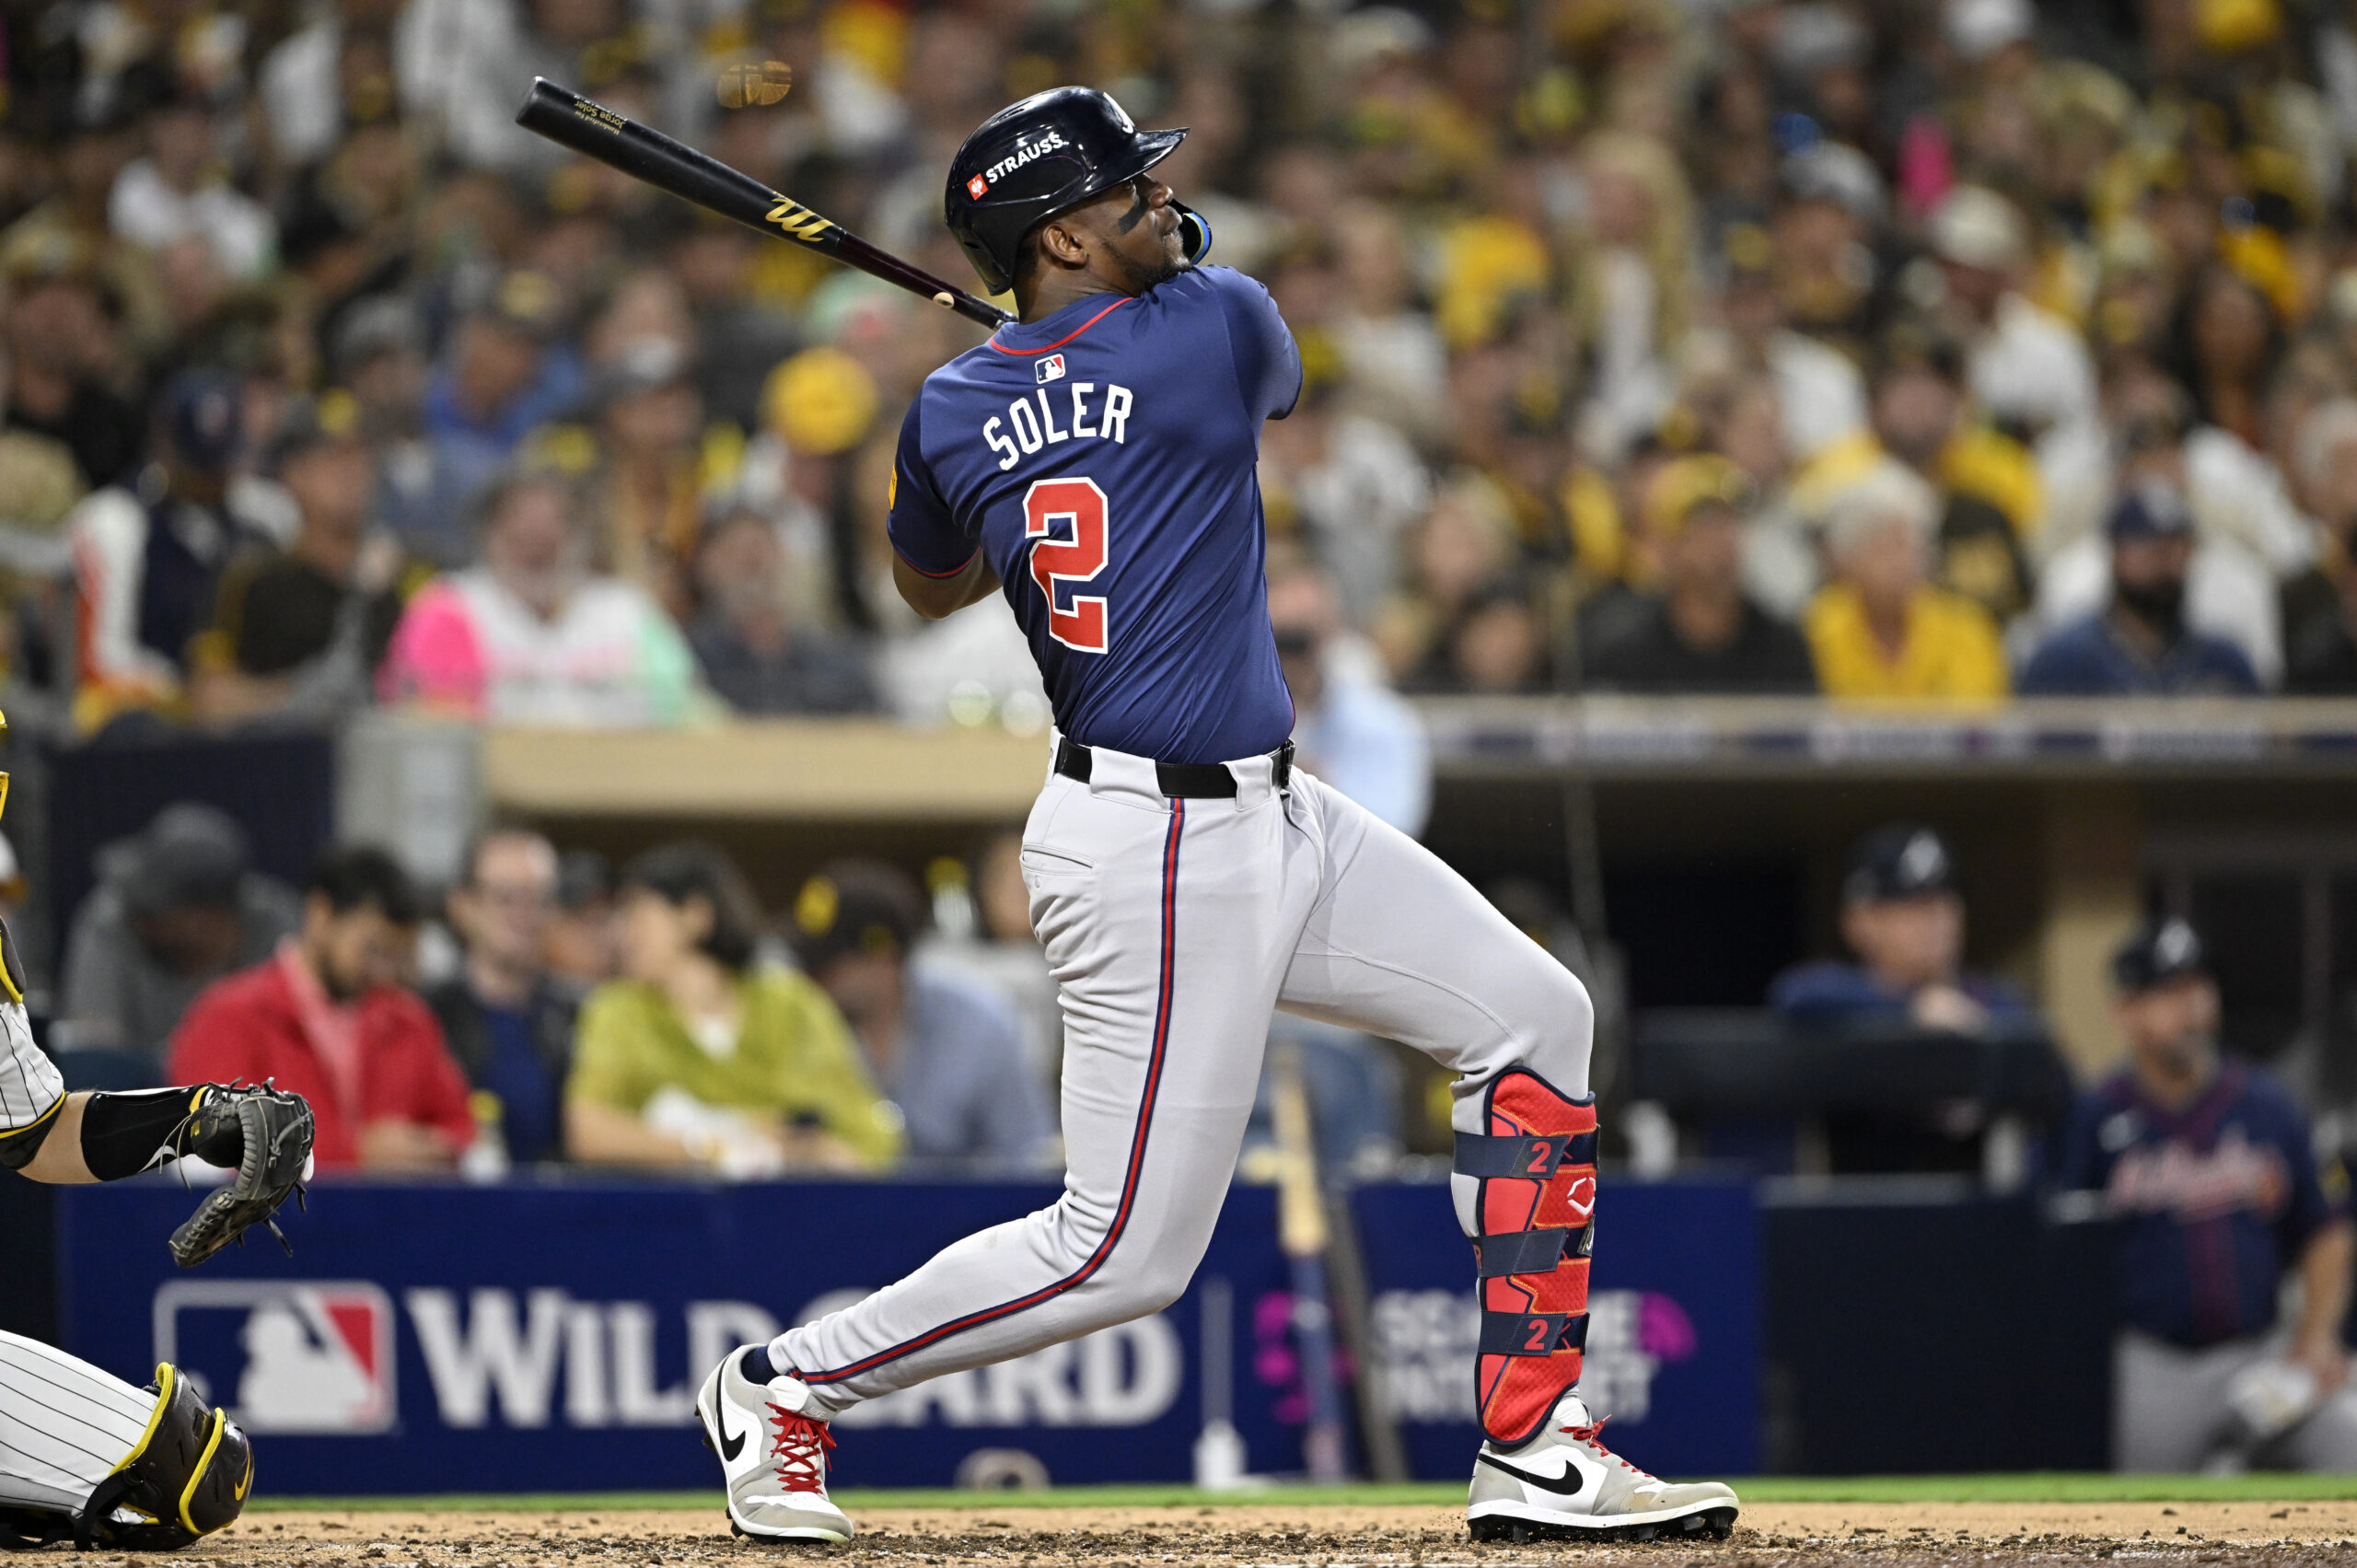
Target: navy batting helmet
(1038,158)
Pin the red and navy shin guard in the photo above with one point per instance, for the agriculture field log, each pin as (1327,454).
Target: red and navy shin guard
(1535,1162)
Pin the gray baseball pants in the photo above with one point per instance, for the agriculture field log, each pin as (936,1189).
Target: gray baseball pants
(2169,1410)
(1175,928)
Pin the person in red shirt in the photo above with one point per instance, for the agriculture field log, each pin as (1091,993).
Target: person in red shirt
(329,1018)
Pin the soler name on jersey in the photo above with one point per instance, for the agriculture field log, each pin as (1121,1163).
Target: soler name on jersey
(1054,413)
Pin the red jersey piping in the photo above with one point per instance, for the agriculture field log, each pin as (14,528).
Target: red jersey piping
(1068,336)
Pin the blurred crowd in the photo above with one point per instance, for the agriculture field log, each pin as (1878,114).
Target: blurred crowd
(1925,348)
(549,1007)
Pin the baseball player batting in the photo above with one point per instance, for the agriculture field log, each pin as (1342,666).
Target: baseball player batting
(1094,461)
(85,1456)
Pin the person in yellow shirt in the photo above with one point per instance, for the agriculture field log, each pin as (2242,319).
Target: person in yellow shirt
(1990,497)
(1879,629)
(698,1057)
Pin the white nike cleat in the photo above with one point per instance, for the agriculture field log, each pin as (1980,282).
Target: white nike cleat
(1565,1486)
(774,1457)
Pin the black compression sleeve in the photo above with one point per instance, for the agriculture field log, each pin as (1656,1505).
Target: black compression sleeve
(122,1134)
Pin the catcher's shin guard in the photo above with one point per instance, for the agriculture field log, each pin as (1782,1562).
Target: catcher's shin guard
(1534,1167)
(188,1477)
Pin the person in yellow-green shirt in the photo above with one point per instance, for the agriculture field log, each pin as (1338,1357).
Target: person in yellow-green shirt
(1879,629)
(699,1058)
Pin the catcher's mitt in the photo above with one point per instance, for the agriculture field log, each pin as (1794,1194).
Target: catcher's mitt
(266,1133)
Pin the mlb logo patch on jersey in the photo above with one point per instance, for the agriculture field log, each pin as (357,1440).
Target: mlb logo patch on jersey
(282,1357)
(977,186)
(1051,369)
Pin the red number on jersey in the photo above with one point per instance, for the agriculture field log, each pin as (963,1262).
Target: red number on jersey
(1078,560)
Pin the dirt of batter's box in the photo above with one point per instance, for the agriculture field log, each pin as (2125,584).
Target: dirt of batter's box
(1783,1535)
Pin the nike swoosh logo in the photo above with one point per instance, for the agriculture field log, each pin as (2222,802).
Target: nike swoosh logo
(246,1484)
(729,1446)
(1568,1486)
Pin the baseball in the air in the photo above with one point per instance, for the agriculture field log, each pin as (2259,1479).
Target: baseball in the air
(751,87)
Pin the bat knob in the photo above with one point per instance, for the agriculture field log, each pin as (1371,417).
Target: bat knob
(945,300)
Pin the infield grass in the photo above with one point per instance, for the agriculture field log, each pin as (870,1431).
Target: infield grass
(2035,1487)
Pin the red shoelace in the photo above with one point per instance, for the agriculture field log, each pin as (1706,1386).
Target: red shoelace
(799,1450)
(1591,1434)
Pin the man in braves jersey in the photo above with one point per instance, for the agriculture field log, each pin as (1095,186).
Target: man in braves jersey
(1094,464)
(2208,1166)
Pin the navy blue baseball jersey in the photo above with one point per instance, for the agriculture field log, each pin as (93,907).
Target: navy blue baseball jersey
(2216,1200)
(1104,461)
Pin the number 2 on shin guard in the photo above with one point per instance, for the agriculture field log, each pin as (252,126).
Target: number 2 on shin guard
(1534,1161)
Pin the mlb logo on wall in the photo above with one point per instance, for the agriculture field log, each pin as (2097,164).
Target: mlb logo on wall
(314,1357)
(1052,368)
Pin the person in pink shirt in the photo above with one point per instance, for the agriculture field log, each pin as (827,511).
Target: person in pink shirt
(329,1017)
(535,635)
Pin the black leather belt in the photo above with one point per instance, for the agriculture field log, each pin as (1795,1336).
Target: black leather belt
(1180,781)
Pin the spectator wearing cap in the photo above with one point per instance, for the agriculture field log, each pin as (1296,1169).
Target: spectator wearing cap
(1000,950)
(177,906)
(945,1047)
(753,655)
(701,1057)
(1701,632)
(2028,367)
(2241,517)
(1825,228)
(1352,731)
(1903,916)
(2140,644)
(330,1017)
(298,632)
(1880,629)
(533,635)
(578,947)
(148,553)
(508,1021)
(815,412)
(506,371)
(2207,1167)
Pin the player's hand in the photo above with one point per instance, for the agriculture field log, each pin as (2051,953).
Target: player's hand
(2325,1361)
(1946,1007)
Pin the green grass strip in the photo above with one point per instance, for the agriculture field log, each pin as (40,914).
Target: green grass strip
(2051,1486)
(2031,1488)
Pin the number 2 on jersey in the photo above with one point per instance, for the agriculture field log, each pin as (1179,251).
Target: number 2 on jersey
(1077,559)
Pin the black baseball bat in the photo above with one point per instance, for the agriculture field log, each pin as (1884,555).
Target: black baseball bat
(594,131)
